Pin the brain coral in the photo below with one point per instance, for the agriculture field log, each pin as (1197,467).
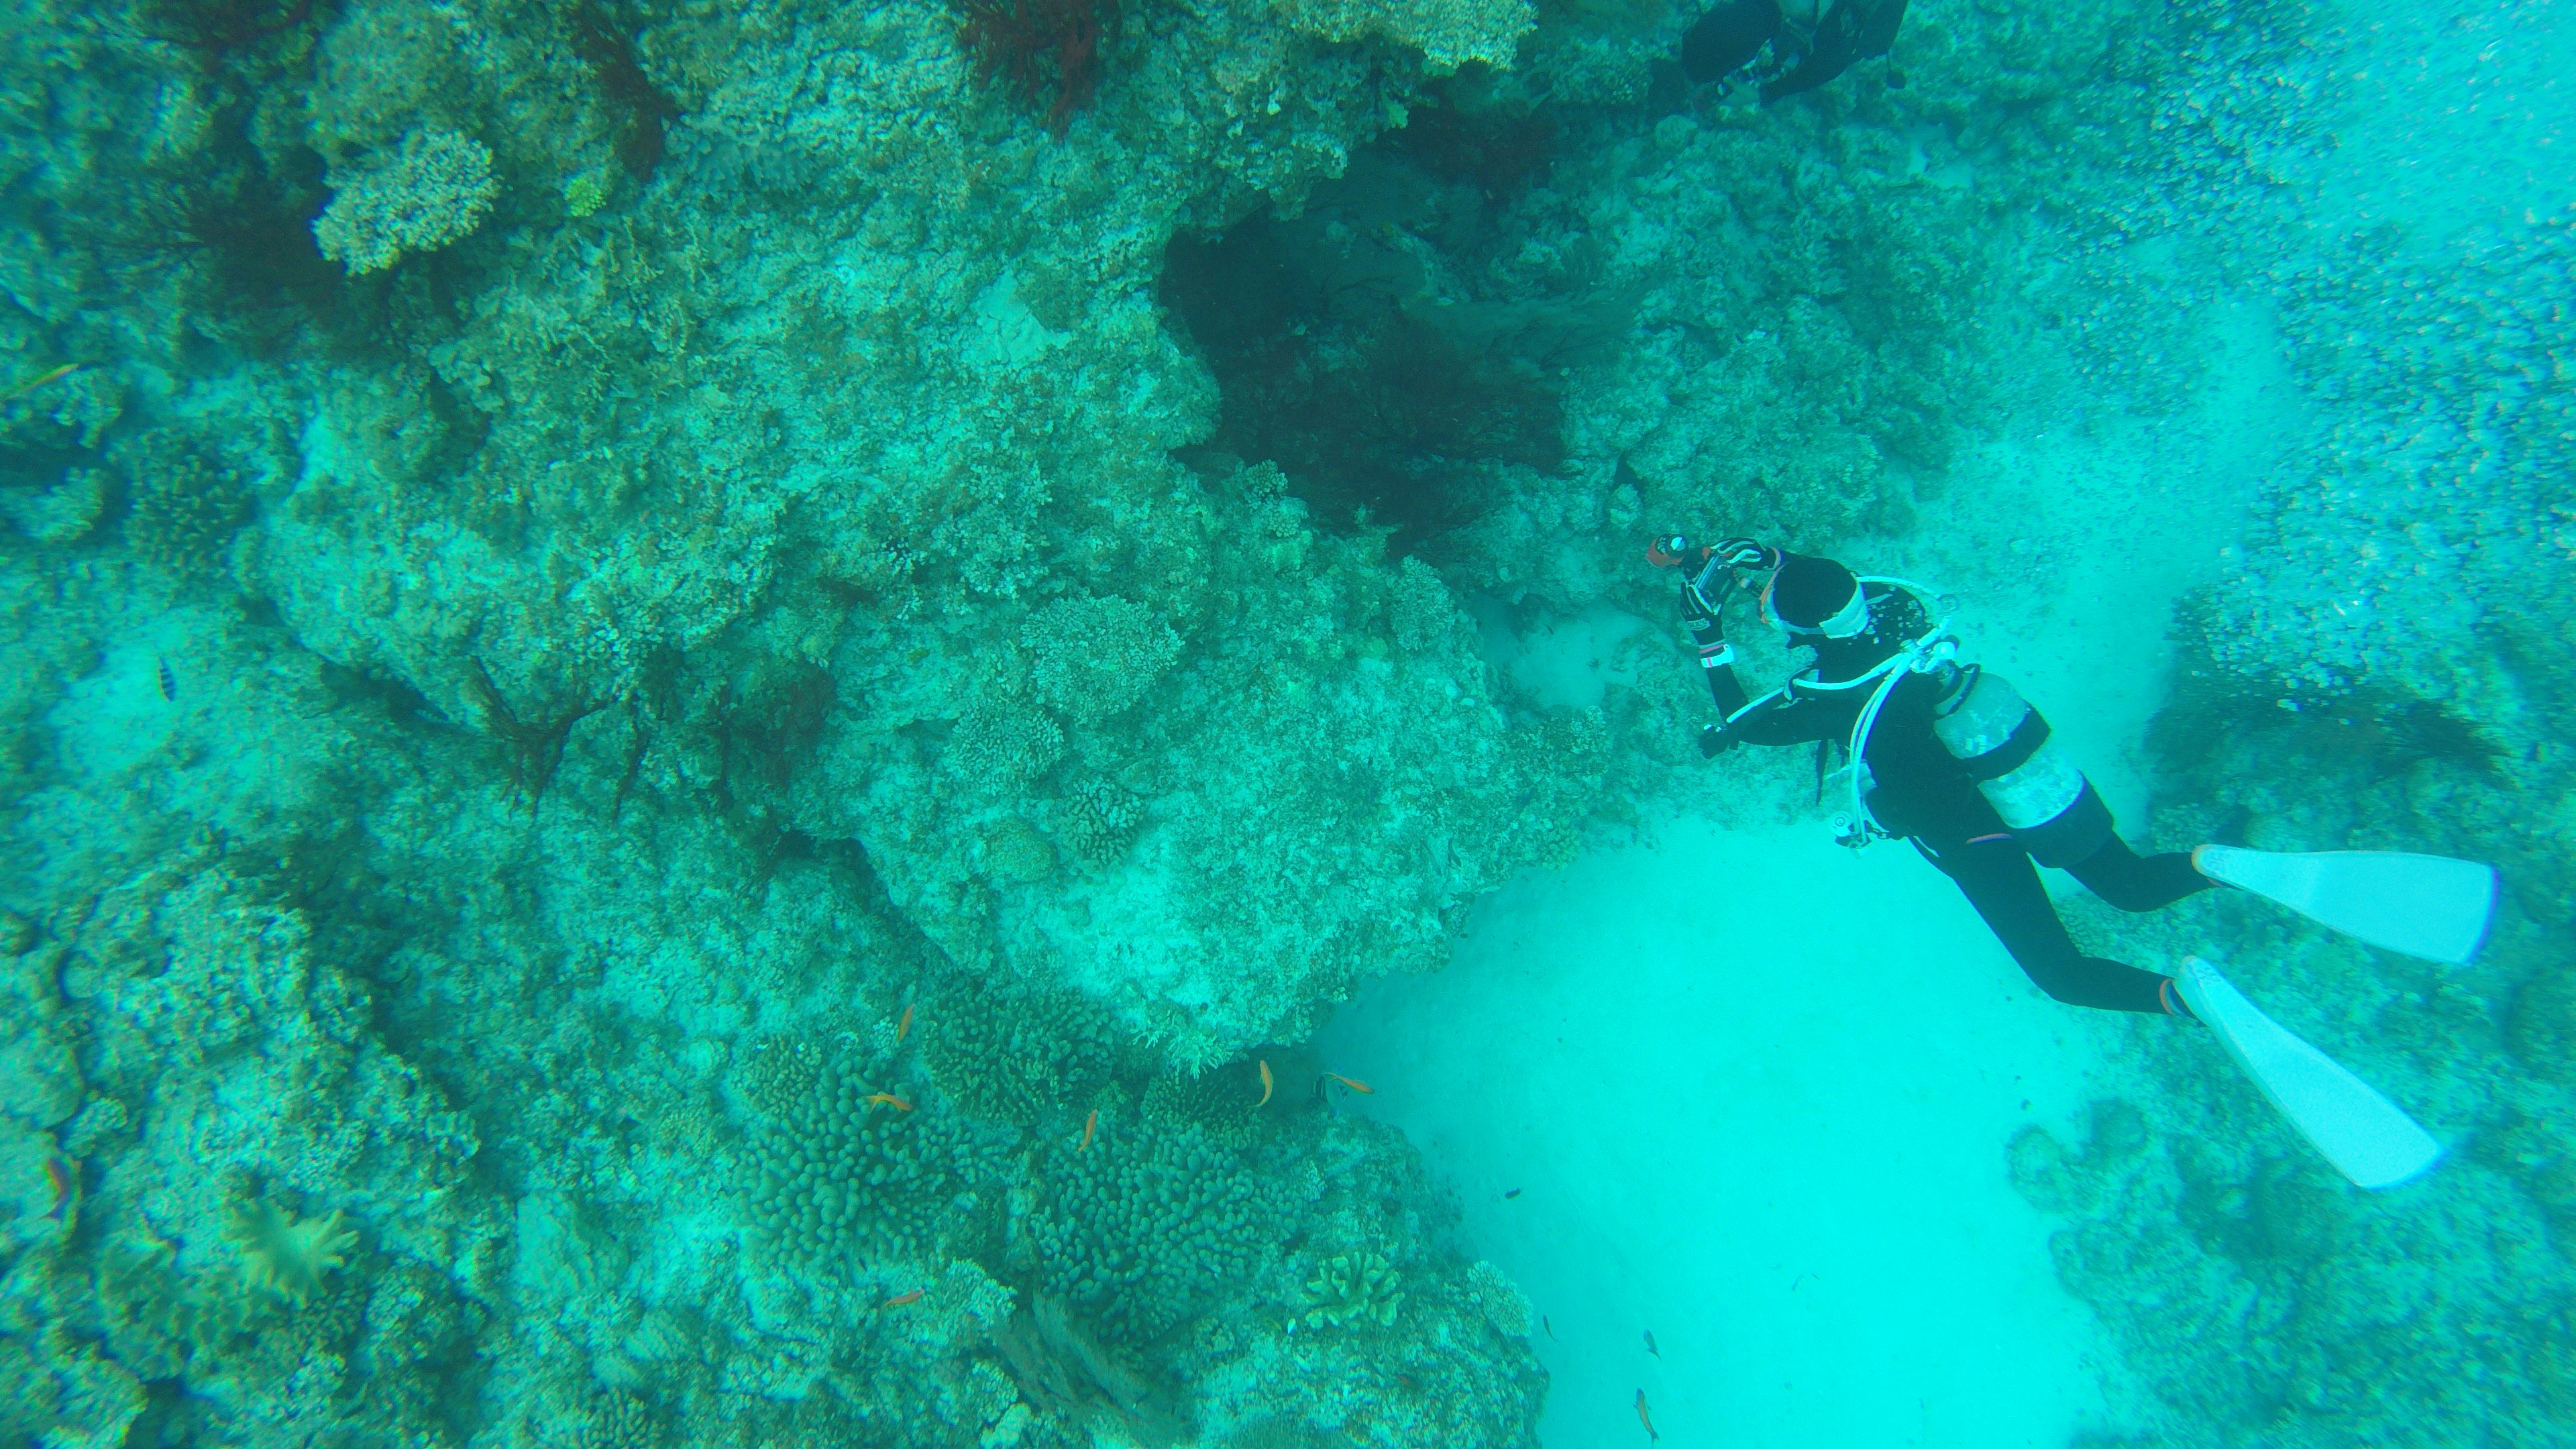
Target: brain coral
(284,1255)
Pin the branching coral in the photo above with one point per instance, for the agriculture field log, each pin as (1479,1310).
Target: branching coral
(1004,742)
(1015,1054)
(184,506)
(1101,818)
(285,1256)
(1143,1230)
(1505,1305)
(849,1167)
(432,192)
(1096,657)
(1354,1288)
(1033,41)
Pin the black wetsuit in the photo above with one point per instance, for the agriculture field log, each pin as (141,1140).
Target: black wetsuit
(1919,791)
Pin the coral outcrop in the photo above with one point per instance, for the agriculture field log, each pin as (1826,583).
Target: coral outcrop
(434,190)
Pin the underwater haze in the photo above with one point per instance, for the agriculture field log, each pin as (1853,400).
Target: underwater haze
(944,724)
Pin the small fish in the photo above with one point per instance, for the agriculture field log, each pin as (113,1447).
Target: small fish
(1090,1125)
(904,1025)
(168,681)
(1363,1088)
(1510,1193)
(1650,1344)
(887,1099)
(24,388)
(1265,1084)
(901,1299)
(1550,1327)
(59,1174)
(1647,1419)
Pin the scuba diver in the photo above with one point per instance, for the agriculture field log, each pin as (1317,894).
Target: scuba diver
(1731,34)
(1949,756)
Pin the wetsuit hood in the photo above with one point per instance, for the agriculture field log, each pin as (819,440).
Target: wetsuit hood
(1816,596)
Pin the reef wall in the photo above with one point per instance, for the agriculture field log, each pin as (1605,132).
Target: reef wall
(2382,667)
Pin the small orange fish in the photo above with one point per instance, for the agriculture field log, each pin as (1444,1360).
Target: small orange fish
(901,1299)
(58,1173)
(1647,1419)
(887,1099)
(24,388)
(1265,1085)
(1363,1088)
(904,1025)
(1089,1125)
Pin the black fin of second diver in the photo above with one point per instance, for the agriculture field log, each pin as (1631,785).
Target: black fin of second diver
(1721,42)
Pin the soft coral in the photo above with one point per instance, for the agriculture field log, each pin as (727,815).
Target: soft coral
(1013,36)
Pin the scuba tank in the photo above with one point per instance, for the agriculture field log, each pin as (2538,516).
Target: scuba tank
(2004,745)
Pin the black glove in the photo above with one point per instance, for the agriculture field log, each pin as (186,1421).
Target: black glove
(1714,741)
(1744,553)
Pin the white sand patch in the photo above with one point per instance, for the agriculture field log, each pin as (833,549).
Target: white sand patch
(1754,1091)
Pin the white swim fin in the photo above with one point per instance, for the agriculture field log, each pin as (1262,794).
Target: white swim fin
(2421,905)
(2362,1133)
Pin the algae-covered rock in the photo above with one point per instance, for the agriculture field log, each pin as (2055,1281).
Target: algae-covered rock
(1449,33)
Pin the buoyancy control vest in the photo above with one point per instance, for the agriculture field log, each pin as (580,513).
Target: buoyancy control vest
(2005,747)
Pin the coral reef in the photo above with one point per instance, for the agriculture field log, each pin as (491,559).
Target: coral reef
(852,1171)
(1050,605)
(1349,1288)
(1139,1232)
(1097,657)
(1449,33)
(432,192)
(283,1255)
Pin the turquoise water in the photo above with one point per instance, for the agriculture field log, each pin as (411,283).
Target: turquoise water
(941,724)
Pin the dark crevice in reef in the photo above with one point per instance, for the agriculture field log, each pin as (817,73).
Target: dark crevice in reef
(1365,345)
(2216,720)
(605,41)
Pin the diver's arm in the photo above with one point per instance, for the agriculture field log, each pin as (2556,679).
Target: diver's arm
(1716,656)
(1782,718)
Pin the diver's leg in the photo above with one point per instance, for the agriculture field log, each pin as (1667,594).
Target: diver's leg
(1999,880)
(2138,883)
